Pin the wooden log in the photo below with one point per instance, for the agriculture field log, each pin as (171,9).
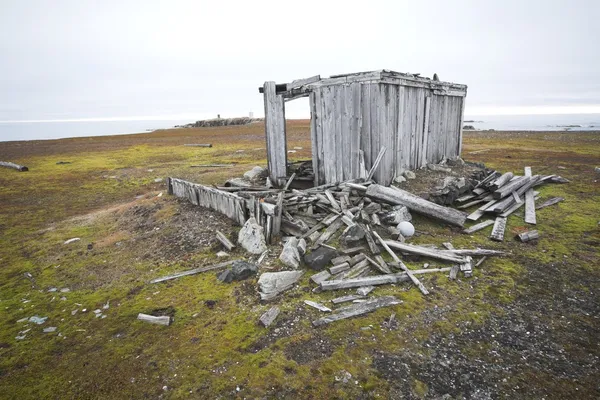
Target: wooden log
(193,271)
(8,164)
(529,202)
(353,250)
(478,227)
(268,317)
(528,236)
(376,280)
(476,252)
(345,299)
(416,204)
(511,209)
(424,251)
(358,309)
(316,305)
(550,202)
(224,241)
(376,163)
(412,277)
(198,145)
(498,229)
(320,277)
(336,269)
(369,238)
(161,320)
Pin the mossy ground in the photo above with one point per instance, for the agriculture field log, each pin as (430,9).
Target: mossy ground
(107,197)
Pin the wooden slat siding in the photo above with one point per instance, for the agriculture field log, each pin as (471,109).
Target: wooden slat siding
(313,136)
(403,142)
(420,110)
(275,133)
(321,124)
(442,128)
(433,118)
(375,123)
(228,204)
(327,104)
(460,125)
(346,137)
(389,125)
(337,139)
(365,128)
(355,126)
(398,168)
(425,143)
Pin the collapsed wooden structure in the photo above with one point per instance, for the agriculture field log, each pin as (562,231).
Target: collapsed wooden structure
(416,119)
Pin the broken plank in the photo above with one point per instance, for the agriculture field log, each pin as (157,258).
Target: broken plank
(336,269)
(479,226)
(481,261)
(316,305)
(358,309)
(511,187)
(344,299)
(353,250)
(529,202)
(550,202)
(193,271)
(369,238)
(501,181)
(498,229)
(476,252)
(320,277)
(376,163)
(454,272)
(511,209)
(160,320)
(224,241)
(425,252)
(375,280)
(328,233)
(332,200)
(528,236)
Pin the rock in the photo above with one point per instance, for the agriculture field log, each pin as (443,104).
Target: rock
(409,174)
(302,246)
(49,329)
(468,128)
(241,270)
(320,257)
(406,229)
(38,320)
(158,180)
(290,255)
(397,215)
(399,179)
(597,169)
(353,236)
(365,290)
(438,168)
(255,173)
(272,283)
(251,237)
(222,254)
(453,161)
(225,276)
(372,208)
(344,376)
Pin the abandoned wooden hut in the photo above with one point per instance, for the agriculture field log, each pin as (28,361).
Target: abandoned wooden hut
(418,120)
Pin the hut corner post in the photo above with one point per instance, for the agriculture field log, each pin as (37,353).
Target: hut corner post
(275,134)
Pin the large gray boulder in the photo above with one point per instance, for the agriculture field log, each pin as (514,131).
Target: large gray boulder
(319,258)
(251,237)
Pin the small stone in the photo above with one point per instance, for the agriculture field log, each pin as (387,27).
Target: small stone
(65,290)
(273,283)
(399,179)
(225,276)
(222,254)
(409,174)
(49,329)
(52,289)
(301,246)
(158,180)
(241,270)
(290,255)
(251,237)
(38,320)
(365,290)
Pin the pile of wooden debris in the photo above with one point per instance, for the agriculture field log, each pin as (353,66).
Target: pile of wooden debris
(342,231)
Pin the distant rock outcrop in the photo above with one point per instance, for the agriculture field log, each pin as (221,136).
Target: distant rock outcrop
(468,128)
(220,122)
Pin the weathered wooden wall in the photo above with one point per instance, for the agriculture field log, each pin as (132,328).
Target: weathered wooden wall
(417,125)
(228,204)
(275,134)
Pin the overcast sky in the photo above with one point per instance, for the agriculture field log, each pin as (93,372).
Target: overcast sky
(99,59)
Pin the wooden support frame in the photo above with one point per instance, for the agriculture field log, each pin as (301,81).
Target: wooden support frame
(275,134)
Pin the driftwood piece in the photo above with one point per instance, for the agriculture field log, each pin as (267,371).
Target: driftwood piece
(268,317)
(416,204)
(479,226)
(161,320)
(198,145)
(476,252)
(376,280)
(358,309)
(528,236)
(550,202)
(481,261)
(345,299)
(412,277)
(9,164)
(376,163)
(529,202)
(224,241)
(498,229)
(316,305)
(193,271)
(320,277)
(424,251)
(336,269)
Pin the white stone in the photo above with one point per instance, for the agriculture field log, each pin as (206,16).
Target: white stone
(409,174)
(290,255)
(399,179)
(406,229)
(251,237)
(273,283)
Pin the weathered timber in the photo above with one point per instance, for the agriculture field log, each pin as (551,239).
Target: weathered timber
(160,320)
(193,271)
(198,145)
(328,233)
(277,217)
(467,267)
(369,238)
(383,268)
(358,309)
(357,270)
(498,229)
(528,236)
(316,305)
(224,241)
(511,187)
(268,317)
(529,202)
(550,202)
(212,166)
(479,226)
(376,163)
(424,251)
(511,209)
(454,272)
(336,269)
(502,180)
(320,277)
(345,299)
(340,260)
(481,261)
(353,250)
(275,134)
(416,204)
(376,280)
(12,165)
(412,277)
(476,252)
(289,182)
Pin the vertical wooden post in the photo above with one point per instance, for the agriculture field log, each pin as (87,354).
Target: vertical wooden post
(460,127)
(275,134)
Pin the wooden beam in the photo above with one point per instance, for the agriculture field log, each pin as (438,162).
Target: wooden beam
(498,229)
(376,163)
(193,271)
(224,241)
(425,252)
(18,167)
(275,134)
(529,202)
(358,309)
(479,226)
(550,202)
(301,82)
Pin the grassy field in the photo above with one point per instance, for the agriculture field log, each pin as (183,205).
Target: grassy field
(525,326)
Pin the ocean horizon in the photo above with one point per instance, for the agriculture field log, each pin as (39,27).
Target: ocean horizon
(61,129)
